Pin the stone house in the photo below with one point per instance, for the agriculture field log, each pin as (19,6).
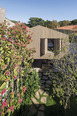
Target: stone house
(48,43)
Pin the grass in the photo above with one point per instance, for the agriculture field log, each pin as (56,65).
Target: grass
(50,101)
(53,108)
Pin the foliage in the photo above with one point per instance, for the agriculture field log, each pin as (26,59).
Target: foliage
(72,38)
(32,83)
(15,61)
(65,79)
(38,21)
(64,23)
(35,21)
(51,24)
(14,21)
(74,22)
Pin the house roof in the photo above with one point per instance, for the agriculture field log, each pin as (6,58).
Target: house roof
(45,32)
(71,27)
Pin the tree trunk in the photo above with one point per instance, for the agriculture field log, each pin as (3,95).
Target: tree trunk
(66,106)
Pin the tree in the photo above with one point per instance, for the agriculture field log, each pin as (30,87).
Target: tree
(64,23)
(51,24)
(65,78)
(35,21)
(74,22)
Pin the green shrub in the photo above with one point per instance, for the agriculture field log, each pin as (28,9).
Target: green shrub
(32,83)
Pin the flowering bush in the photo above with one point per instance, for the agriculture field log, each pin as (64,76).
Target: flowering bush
(15,61)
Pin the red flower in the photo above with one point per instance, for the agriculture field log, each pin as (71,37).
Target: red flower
(18,94)
(11,63)
(12,93)
(15,77)
(2,113)
(18,21)
(13,28)
(35,51)
(15,49)
(4,103)
(10,39)
(20,100)
(11,100)
(11,108)
(8,72)
(3,91)
(4,39)
(18,69)
(24,89)
(30,36)
(0,98)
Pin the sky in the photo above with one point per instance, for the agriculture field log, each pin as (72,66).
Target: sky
(22,10)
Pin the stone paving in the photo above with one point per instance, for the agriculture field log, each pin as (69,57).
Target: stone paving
(38,103)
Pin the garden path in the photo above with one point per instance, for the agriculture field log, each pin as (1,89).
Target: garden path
(38,103)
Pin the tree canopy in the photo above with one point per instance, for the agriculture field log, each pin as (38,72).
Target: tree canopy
(33,21)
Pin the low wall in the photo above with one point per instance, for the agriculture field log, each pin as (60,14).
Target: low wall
(45,72)
(46,79)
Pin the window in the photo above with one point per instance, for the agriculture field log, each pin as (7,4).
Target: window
(50,45)
(42,46)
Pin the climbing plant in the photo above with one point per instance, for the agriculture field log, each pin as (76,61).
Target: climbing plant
(15,62)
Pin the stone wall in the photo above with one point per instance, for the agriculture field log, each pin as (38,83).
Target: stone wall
(46,79)
(45,73)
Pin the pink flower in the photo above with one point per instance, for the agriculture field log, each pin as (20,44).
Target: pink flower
(30,36)
(18,21)
(4,39)
(4,67)
(14,32)
(16,61)
(11,63)
(0,98)
(11,100)
(11,108)
(3,91)
(24,89)
(15,77)
(10,47)
(13,28)
(2,113)
(10,39)
(12,93)
(4,103)
(20,100)
(18,94)
(15,49)
(18,69)
(7,73)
